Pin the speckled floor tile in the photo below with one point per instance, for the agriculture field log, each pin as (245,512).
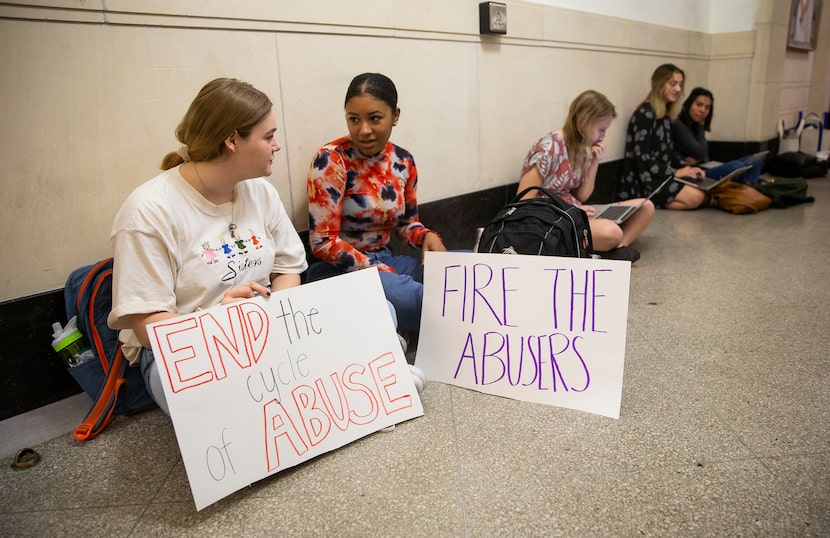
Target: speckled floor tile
(98,520)
(126,465)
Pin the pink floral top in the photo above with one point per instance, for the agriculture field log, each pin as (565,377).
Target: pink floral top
(356,202)
(550,157)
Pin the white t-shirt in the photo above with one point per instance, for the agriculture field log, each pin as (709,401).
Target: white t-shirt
(174,250)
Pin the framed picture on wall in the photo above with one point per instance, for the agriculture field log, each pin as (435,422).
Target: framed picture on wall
(804,17)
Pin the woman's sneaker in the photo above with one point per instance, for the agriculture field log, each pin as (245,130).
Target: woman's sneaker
(418,377)
(629,254)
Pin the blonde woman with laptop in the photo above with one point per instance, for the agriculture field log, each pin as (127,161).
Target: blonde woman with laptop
(565,162)
(648,157)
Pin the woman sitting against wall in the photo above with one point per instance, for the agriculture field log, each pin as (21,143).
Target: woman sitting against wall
(690,144)
(649,151)
(565,161)
(212,200)
(362,188)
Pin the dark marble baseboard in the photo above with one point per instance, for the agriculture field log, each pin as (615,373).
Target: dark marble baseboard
(33,375)
(729,151)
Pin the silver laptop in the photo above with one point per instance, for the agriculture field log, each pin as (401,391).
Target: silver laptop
(620,213)
(706,183)
(751,159)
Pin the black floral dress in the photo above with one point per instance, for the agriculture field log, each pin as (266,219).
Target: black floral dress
(648,158)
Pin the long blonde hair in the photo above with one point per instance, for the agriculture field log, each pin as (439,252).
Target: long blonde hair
(222,106)
(588,107)
(655,97)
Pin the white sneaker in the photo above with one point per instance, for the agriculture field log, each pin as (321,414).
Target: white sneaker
(402,340)
(418,377)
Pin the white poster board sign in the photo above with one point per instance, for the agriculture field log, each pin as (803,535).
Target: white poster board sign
(261,385)
(540,329)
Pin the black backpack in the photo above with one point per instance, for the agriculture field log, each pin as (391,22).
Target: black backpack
(541,226)
(796,164)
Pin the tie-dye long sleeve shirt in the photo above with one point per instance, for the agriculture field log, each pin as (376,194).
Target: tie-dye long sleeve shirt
(356,202)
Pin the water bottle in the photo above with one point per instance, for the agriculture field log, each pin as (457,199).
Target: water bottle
(70,344)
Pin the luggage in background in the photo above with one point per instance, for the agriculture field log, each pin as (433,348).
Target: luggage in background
(796,165)
(800,150)
(784,192)
(740,199)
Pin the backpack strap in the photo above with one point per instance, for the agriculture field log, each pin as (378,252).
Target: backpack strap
(100,273)
(102,412)
(532,188)
(799,127)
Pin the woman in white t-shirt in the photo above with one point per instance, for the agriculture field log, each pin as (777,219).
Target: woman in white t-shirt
(209,229)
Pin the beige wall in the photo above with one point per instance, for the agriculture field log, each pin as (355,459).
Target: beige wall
(91,96)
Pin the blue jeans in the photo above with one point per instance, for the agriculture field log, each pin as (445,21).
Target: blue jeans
(750,177)
(152,378)
(403,289)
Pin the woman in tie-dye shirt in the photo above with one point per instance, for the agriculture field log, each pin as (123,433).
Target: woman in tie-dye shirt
(361,189)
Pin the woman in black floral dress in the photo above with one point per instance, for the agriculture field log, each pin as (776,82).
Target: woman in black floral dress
(649,150)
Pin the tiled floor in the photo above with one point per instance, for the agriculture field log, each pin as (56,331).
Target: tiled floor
(724,427)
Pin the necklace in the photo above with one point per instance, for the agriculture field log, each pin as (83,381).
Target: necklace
(231,224)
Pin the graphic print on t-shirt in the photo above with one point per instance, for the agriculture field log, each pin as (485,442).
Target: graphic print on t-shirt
(238,241)
(234,253)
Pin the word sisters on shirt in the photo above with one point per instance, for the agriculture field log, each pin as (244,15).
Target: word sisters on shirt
(540,329)
(260,385)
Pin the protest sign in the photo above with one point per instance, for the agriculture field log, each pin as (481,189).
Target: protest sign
(260,385)
(540,329)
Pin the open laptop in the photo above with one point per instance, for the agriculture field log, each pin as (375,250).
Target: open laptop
(706,183)
(619,213)
(751,159)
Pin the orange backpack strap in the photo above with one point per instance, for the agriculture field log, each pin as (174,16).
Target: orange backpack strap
(114,386)
(103,412)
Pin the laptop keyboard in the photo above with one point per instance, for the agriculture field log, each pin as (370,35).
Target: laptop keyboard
(614,212)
